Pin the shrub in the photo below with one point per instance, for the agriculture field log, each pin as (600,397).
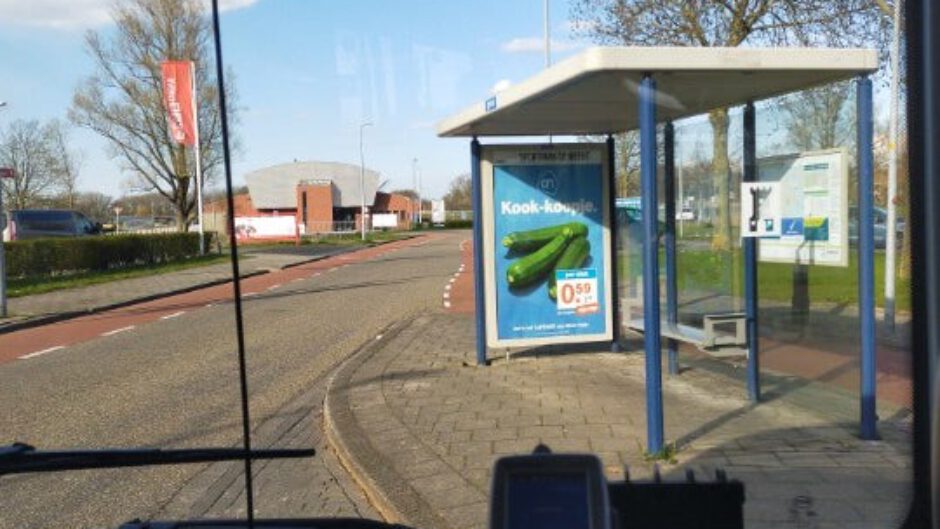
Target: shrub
(62,256)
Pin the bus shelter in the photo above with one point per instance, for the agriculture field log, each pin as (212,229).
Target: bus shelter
(608,90)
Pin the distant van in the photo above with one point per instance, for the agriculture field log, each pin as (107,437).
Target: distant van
(35,223)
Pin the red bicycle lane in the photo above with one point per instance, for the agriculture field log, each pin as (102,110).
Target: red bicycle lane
(37,341)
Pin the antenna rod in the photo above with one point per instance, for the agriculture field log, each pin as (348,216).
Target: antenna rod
(236,281)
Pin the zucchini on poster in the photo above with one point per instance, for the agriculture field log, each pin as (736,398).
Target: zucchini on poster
(546,244)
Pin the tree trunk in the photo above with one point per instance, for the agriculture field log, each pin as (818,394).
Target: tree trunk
(721,169)
(904,264)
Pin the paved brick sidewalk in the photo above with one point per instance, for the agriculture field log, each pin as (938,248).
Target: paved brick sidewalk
(97,297)
(420,427)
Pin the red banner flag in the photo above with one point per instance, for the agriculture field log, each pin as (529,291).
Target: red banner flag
(178,100)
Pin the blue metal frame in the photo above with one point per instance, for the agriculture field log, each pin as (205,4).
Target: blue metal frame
(614,233)
(672,296)
(750,260)
(478,284)
(651,338)
(866,257)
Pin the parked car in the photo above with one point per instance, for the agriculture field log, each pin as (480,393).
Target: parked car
(35,223)
(881,221)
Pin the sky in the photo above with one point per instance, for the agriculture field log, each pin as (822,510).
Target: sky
(308,73)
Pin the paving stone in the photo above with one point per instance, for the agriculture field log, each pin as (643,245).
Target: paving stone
(465,417)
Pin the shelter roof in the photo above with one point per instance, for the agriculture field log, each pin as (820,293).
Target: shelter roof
(595,92)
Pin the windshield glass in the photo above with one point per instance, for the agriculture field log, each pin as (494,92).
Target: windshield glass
(724,286)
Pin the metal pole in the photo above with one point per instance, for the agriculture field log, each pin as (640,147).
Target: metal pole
(651,338)
(866,258)
(548,37)
(478,287)
(615,255)
(3,262)
(420,201)
(681,201)
(197,154)
(414,184)
(672,302)
(891,221)
(362,181)
(750,261)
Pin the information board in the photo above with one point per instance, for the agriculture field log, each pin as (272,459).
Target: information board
(546,245)
(384,220)
(814,226)
(438,212)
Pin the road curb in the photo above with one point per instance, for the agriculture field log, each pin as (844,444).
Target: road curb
(38,321)
(387,491)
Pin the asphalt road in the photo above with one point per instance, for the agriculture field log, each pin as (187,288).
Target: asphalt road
(170,380)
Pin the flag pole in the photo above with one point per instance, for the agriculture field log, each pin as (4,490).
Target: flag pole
(195,97)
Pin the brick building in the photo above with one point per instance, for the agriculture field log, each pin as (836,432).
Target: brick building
(322,196)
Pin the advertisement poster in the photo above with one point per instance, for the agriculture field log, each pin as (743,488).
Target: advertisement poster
(265,227)
(547,251)
(813,198)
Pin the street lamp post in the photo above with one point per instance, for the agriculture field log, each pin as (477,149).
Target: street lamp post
(3,267)
(414,185)
(362,180)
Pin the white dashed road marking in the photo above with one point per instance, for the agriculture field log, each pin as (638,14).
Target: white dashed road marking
(174,315)
(117,331)
(272,287)
(40,353)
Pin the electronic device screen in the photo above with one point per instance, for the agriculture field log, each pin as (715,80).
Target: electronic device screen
(549,491)
(548,501)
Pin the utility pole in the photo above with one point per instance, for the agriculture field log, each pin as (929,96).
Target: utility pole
(415,216)
(548,37)
(4,173)
(420,200)
(362,180)
(891,221)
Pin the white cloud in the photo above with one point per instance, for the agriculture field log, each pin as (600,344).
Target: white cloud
(74,14)
(536,44)
(500,85)
(231,5)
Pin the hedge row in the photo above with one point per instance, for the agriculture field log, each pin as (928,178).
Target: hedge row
(61,256)
(450,224)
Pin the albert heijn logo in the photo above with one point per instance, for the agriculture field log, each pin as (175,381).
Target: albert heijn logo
(548,183)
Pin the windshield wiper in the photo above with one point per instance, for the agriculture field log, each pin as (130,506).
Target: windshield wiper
(21,457)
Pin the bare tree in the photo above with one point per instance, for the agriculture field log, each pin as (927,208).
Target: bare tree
(729,23)
(32,150)
(94,205)
(458,196)
(123,101)
(70,161)
(819,118)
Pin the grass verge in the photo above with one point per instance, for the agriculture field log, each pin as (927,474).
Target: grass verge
(723,272)
(40,285)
